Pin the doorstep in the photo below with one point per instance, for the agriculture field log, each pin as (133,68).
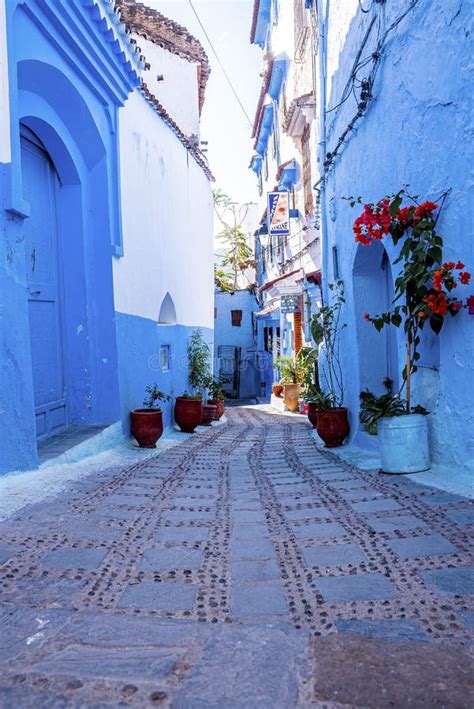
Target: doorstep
(78,442)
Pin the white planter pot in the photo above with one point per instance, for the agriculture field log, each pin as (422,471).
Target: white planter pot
(404,446)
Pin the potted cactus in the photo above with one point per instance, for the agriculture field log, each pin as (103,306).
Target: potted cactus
(147,423)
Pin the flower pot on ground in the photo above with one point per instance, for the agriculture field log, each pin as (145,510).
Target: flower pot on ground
(312,413)
(332,426)
(208,414)
(146,425)
(291,395)
(220,407)
(404,444)
(217,396)
(188,412)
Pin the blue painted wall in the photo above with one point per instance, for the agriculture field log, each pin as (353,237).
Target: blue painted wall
(139,341)
(227,334)
(74,115)
(416,131)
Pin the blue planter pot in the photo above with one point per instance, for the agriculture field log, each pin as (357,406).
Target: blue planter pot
(404,444)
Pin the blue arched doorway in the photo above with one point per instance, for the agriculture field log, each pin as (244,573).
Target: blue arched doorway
(44,285)
(373,294)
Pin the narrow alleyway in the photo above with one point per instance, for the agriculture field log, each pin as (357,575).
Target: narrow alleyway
(242,568)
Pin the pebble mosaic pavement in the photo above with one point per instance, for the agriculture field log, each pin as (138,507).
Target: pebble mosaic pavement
(207,576)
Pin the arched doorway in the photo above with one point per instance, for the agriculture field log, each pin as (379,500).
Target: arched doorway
(373,293)
(44,285)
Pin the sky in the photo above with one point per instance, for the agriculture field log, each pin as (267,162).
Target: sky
(224,124)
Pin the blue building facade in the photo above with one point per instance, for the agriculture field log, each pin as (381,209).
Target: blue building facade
(67,68)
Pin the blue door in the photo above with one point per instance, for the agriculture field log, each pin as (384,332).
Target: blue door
(40,186)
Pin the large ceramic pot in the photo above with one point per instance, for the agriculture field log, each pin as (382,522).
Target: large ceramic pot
(404,444)
(333,426)
(208,414)
(187,413)
(146,426)
(312,413)
(291,393)
(220,406)
(277,390)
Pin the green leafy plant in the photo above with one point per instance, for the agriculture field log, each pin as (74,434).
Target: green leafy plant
(154,395)
(323,401)
(216,389)
(238,255)
(326,328)
(290,369)
(199,358)
(191,397)
(373,408)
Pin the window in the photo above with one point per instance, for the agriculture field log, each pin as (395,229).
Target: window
(165,358)
(236,316)
(335,262)
(302,28)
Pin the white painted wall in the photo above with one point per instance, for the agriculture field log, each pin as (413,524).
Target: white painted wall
(179,91)
(5,148)
(167,220)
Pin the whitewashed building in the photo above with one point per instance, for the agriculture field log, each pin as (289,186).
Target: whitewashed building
(285,133)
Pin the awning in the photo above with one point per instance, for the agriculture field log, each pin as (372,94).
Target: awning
(271,283)
(266,129)
(272,308)
(278,75)
(289,174)
(261,23)
(256,164)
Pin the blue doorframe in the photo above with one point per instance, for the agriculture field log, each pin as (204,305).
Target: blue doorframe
(44,289)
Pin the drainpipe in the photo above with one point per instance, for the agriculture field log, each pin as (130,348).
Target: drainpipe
(320,24)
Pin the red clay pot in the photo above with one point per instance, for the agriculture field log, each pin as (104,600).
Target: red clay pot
(219,404)
(208,414)
(187,413)
(277,389)
(332,426)
(146,426)
(312,413)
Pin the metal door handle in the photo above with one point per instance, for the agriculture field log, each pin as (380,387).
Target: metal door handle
(35,292)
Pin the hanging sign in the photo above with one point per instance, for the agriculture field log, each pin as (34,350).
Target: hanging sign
(290,304)
(278,213)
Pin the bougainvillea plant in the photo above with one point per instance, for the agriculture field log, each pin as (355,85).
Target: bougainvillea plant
(426,284)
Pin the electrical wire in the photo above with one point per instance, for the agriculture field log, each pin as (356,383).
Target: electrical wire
(220,64)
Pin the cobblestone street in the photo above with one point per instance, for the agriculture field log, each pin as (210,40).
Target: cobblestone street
(242,568)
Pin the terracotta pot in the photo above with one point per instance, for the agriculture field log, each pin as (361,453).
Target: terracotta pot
(220,406)
(332,426)
(277,390)
(187,413)
(208,414)
(291,393)
(313,412)
(146,426)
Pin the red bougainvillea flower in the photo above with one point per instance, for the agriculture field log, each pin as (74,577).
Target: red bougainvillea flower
(421,314)
(367,316)
(449,265)
(455,307)
(374,222)
(459,266)
(424,211)
(464,277)
(403,215)
(438,279)
(438,303)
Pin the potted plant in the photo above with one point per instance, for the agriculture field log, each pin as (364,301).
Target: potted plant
(147,424)
(332,422)
(188,410)
(374,407)
(217,396)
(308,360)
(423,295)
(292,377)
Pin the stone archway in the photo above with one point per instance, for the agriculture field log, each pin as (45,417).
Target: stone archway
(373,293)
